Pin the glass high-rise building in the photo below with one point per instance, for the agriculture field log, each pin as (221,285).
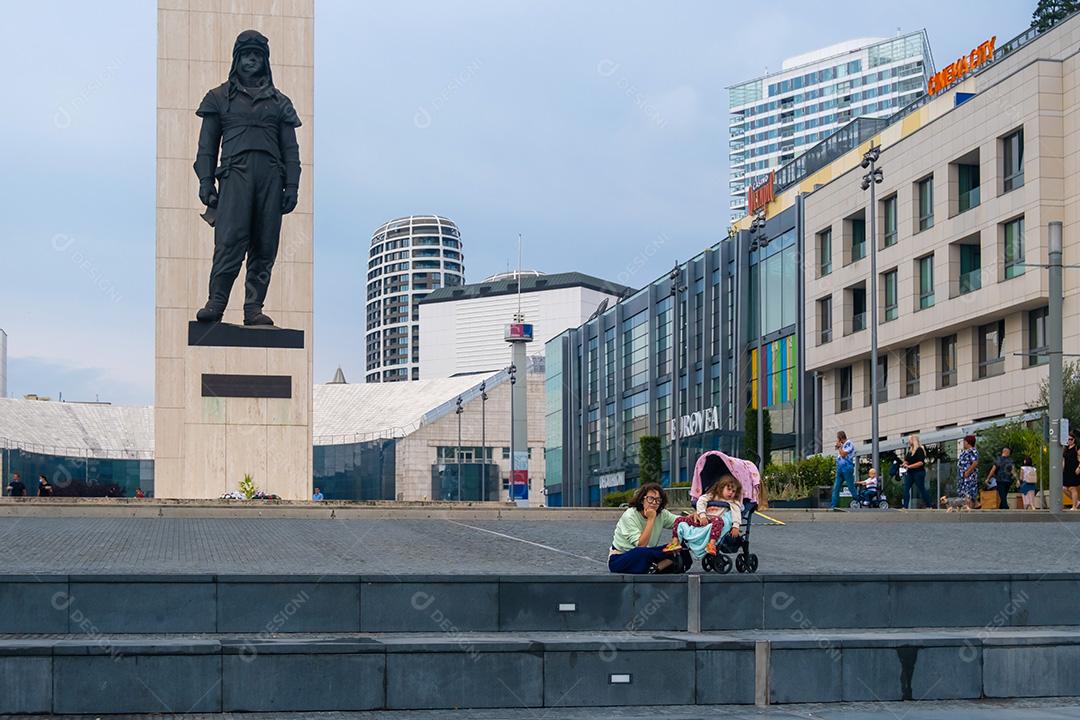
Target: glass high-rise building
(778,116)
(409,257)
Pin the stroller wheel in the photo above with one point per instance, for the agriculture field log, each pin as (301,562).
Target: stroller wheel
(724,563)
(740,563)
(883,504)
(751,563)
(707,563)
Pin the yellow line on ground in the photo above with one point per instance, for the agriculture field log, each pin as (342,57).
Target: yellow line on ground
(770,519)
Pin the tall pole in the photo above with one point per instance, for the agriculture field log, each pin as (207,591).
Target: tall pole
(458,412)
(870,180)
(483,435)
(1054,346)
(676,380)
(761,365)
(513,379)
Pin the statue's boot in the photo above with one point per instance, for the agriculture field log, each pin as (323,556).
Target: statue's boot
(257,318)
(209,314)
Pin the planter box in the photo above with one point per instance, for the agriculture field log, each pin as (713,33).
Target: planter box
(806,502)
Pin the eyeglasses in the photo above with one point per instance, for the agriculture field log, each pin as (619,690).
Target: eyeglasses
(653,500)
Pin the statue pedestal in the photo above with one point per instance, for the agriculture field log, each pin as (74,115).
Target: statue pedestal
(246,410)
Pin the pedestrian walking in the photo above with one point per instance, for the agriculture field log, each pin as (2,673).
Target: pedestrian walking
(1070,470)
(915,466)
(1000,477)
(967,476)
(44,489)
(845,467)
(1029,482)
(16,487)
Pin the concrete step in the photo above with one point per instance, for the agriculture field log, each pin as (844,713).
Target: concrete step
(211,673)
(523,603)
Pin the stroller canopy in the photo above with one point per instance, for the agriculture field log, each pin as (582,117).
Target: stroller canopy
(744,471)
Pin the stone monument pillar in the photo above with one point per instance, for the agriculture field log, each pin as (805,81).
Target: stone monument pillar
(229,400)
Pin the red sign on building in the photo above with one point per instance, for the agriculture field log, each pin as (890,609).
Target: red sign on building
(760,195)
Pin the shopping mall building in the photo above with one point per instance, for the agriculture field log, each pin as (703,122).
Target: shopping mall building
(972,174)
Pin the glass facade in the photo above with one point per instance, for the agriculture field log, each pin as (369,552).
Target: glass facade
(553,420)
(355,471)
(79,476)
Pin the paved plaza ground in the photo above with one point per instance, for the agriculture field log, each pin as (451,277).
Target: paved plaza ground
(73,545)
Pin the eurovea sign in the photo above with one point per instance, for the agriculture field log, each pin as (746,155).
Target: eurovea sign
(981,55)
(696,423)
(758,196)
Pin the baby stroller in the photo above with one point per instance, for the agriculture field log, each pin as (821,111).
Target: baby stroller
(710,466)
(738,547)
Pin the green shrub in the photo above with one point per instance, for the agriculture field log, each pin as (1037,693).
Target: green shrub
(1022,440)
(650,459)
(247,486)
(618,498)
(799,479)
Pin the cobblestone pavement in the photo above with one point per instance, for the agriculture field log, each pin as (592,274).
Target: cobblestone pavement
(1039,709)
(301,546)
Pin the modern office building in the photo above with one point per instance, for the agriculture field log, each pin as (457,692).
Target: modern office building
(462,328)
(616,378)
(778,116)
(971,181)
(409,257)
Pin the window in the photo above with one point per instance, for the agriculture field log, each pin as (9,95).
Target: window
(947,361)
(825,320)
(609,361)
(925,195)
(911,371)
(609,434)
(825,251)
(968,179)
(925,273)
(1014,248)
(594,368)
(858,239)
(970,269)
(843,384)
(635,423)
(858,309)
(1012,155)
(636,350)
(1037,345)
(664,320)
(882,379)
(889,281)
(888,214)
(991,349)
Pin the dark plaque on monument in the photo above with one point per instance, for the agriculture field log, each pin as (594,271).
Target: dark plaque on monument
(252,125)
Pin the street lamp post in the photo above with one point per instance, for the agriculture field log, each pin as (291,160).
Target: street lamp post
(870,181)
(758,226)
(458,412)
(483,434)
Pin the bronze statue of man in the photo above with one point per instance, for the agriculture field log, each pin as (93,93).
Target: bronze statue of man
(254,125)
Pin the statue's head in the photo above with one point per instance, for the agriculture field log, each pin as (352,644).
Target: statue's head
(251,56)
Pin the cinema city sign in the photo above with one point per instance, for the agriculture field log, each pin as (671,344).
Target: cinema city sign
(696,423)
(981,55)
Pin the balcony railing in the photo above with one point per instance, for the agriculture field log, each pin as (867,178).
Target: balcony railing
(968,200)
(970,281)
(858,322)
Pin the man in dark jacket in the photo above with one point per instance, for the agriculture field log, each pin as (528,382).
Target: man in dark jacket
(254,125)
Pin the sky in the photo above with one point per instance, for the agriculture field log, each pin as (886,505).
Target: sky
(596,130)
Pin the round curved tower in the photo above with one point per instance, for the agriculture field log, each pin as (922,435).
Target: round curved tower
(409,257)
